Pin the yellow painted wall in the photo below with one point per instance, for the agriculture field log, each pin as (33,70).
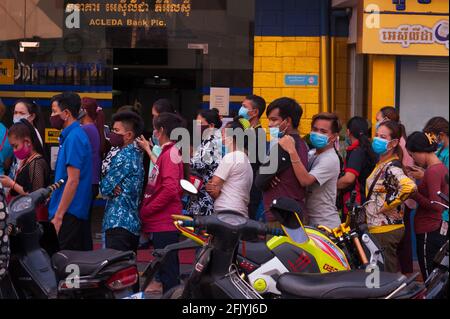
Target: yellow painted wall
(277,56)
(382,76)
(341,100)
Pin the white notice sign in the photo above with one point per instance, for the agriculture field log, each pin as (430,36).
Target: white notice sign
(220,99)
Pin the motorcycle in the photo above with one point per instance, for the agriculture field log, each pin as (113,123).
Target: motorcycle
(354,238)
(355,284)
(29,272)
(262,262)
(216,275)
(437,282)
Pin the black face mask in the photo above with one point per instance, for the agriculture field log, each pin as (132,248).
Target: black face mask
(57,122)
(116,140)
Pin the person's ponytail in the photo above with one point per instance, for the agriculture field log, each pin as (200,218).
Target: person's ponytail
(100,124)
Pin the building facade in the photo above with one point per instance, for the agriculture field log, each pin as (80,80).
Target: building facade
(351,57)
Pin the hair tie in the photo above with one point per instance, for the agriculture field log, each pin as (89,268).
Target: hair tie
(99,109)
(431,138)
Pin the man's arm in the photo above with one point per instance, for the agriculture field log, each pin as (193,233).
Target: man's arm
(304,178)
(346,181)
(70,190)
(114,176)
(214,186)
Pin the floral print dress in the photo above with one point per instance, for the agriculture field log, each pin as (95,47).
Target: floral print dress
(203,164)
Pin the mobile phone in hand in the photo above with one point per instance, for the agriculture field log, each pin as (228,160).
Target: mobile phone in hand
(107,131)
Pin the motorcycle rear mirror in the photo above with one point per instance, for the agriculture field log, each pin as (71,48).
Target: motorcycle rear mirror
(285,210)
(188,187)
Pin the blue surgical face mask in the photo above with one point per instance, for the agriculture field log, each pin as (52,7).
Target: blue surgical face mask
(155,140)
(243,112)
(275,133)
(318,140)
(380,145)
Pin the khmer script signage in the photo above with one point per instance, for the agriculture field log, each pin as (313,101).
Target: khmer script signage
(126,13)
(421,29)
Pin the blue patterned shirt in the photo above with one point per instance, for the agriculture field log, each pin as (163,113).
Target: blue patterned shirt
(126,171)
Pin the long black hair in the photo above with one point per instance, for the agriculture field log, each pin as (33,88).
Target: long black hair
(359,128)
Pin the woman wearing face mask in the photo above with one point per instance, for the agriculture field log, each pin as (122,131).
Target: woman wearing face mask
(438,126)
(152,147)
(6,151)
(431,230)
(388,187)
(92,122)
(389,113)
(232,181)
(359,162)
(33,172)
(162,199)
(206,159)
(30,111)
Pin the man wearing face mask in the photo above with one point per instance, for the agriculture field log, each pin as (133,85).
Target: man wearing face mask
(69,205)
(122,185)
(253,107)
(322,173)
(284,119)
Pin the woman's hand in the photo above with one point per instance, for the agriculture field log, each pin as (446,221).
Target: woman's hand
(6,181)
(417,172)
(144,144)
(287,143)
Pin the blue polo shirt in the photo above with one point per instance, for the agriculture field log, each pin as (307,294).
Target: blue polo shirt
(75,151)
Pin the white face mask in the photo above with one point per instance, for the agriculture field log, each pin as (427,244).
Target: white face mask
(17,118)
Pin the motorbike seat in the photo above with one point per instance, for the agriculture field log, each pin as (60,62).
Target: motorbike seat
(87,261)
(257,252)
(337,285)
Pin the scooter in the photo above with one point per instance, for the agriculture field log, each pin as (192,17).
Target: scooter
(216,275)
(315,250)
(370,283)
(262,262)
(437,282)
(31,274)
(354,238)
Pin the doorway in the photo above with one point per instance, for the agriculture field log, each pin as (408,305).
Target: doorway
(142,76)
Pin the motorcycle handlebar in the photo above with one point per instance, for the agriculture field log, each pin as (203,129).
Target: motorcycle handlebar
(262,229)
(351,203)
(55,186)
(443,196)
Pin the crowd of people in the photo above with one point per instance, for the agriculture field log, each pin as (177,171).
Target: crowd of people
(395,173)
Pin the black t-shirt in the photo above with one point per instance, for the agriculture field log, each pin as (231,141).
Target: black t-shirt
(33,176)
(358,163)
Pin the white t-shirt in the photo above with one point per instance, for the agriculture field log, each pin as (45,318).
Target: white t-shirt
(236,171)
(321,196)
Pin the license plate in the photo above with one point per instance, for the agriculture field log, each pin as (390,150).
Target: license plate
(139,295)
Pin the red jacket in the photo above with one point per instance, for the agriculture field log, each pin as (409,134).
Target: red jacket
(163,193)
